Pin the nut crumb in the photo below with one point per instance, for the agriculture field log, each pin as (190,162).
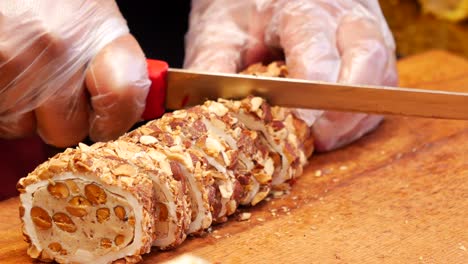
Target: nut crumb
(318,173)
(260,219)
(343,168)
(277,194)
(245,216)
(462,247)
(147,140)
(217,236)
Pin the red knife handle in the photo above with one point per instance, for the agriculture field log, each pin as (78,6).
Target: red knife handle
(157,71)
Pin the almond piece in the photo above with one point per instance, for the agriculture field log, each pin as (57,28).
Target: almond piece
(56,247)
(72,186)
(119,211)
(78,206)
(119,239)
(102,214)
(95,194)
(106,243)
(41,218)
(58,190)
(64,222)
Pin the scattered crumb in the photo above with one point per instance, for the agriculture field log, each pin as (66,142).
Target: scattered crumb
(285,209)
(462,247)
(335,180)
(245,216)
(406,221)
(278,234)
(313,228)
(343,168)
(420,258)
(277,194)
(268,199)
(273,212)
(217,236)
(260,219)
(318,173)
(294,197)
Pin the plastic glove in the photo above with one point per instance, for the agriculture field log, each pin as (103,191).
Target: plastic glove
(336,41)
(68,68)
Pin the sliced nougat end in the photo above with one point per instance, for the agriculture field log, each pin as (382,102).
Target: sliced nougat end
(88,210)
(252,155)
(255,114)
(171,198)
(191,131)
(177,149)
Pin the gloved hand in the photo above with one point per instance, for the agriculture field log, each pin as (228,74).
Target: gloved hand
(345,41)
(68,68)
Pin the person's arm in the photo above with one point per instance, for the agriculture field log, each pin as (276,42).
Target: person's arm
(68,69)
(335,41)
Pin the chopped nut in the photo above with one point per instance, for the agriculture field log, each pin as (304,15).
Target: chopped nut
(106,243)
(102,214)
(95,194)
(64,222)
(58,190)
(218,109)
(119,239)
(343,168)
(56,247)
(262,178)
(78,206)
(318,173)
(119,211)
(259,197)
(244,216)
(256,103)
(225,190)
(124,170)
(41,218)
(148,140)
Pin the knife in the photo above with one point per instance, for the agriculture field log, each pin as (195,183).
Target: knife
(173,89)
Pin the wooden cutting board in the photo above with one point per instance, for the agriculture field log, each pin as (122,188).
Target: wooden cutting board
(399,195)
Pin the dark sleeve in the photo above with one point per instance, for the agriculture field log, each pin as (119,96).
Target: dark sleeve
(159,27)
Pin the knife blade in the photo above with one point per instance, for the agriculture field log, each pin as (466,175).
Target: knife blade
(188,88)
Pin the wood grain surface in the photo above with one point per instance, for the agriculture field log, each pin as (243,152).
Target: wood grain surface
(399,195)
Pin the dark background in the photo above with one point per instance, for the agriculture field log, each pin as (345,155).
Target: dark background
(159,27)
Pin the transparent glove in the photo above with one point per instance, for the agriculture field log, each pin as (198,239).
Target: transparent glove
(68,69)
(336,41)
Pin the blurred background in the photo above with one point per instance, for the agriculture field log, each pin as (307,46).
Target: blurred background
(421,25)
